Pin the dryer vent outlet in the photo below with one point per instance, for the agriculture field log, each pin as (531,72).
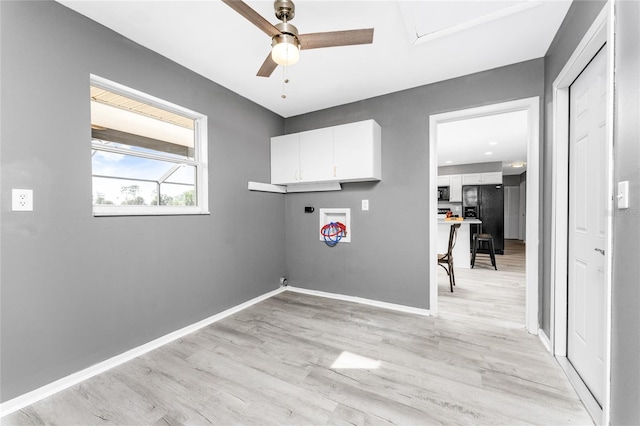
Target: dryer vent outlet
(283,282)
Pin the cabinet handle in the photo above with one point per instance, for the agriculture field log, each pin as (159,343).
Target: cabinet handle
(334,171)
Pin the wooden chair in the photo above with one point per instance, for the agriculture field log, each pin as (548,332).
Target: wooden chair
(447,258)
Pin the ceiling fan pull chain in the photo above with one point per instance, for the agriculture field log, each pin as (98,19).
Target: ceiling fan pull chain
(285,80)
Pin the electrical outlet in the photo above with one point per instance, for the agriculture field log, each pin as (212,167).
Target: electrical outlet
(365,205)
(22,200)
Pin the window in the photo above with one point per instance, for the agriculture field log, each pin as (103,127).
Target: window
(149,157)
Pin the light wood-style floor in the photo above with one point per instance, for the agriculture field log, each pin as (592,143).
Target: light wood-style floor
(275,364)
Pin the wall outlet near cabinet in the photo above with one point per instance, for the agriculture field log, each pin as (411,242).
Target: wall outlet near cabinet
(22,200)
(365,205)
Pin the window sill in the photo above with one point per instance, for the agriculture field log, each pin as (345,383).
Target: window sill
(99,211)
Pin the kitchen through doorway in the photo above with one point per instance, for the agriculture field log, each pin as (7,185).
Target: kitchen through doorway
(484,174)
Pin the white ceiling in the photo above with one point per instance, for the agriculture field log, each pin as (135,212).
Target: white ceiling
(499,137)
(415,43)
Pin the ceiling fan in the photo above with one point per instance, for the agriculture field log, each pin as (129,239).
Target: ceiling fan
(286,43)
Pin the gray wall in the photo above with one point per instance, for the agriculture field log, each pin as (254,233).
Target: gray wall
(388,258)
(579,18)
(514,180)
(492,166)
(76,289)
(625,339)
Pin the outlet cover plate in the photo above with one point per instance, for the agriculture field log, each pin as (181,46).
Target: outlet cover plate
(623,195)
(22,200)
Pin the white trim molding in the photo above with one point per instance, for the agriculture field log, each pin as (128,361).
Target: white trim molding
(544,339)
(599,34)
(532,106)
(45,391)
(361,300)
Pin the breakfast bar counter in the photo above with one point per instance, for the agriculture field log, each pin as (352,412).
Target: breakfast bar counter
(462,249)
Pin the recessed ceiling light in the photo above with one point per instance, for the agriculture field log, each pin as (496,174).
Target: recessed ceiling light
(493,143)
(517,164)
(488,153)
(448,162)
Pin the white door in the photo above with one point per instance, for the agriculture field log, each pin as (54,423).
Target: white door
(285,159)
(316,155)
(354,150)
(511,212)
(588,207)
(523,211)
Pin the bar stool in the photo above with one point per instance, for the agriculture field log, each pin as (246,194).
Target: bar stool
(478,240)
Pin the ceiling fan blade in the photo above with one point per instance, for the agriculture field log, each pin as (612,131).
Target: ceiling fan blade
(336,38)
(252,16)
(267,67)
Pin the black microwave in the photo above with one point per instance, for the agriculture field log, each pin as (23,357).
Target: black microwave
(443,193)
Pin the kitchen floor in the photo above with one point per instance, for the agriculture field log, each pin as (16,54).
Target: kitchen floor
(484,294)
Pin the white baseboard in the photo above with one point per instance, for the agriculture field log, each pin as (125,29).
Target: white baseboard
(544,339)
(45,391)
(583,392)
(52,388)
(377,303)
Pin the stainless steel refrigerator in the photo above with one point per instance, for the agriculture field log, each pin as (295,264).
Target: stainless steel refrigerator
(486,202)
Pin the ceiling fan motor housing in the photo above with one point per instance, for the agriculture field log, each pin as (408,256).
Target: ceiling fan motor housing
(285,10)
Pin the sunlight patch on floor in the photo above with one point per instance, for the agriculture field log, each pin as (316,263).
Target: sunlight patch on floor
(348,360)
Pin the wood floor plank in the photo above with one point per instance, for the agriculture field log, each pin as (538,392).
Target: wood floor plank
(273,364)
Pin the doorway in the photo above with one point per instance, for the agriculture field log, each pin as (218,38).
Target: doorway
(567,317)
(531,106)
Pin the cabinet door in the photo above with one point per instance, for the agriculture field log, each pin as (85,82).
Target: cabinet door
(492,177)
(472,179)
(285,159)
(455,188)
(443,180)
(357,151)
(316,155)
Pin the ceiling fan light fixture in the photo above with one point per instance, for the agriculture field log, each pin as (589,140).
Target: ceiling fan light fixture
(285,49)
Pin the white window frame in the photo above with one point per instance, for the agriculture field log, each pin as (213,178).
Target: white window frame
(199,161)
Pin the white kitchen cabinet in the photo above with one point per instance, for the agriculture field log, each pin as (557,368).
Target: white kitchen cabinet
(455,188)
(316,155)
(357,152)
(472,179)
(443,180)
(346,153)
(481,178)
(285,159)
(492,177)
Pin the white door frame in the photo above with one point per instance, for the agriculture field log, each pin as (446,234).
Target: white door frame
(601,32)
(532,106)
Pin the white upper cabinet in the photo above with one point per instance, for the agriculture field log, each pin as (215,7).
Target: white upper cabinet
(482,178)
(493,177)
(346,153)
(285,159)
(357,151)
(316,155)
(444,180)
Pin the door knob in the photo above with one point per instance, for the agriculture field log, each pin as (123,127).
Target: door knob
(599,250)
